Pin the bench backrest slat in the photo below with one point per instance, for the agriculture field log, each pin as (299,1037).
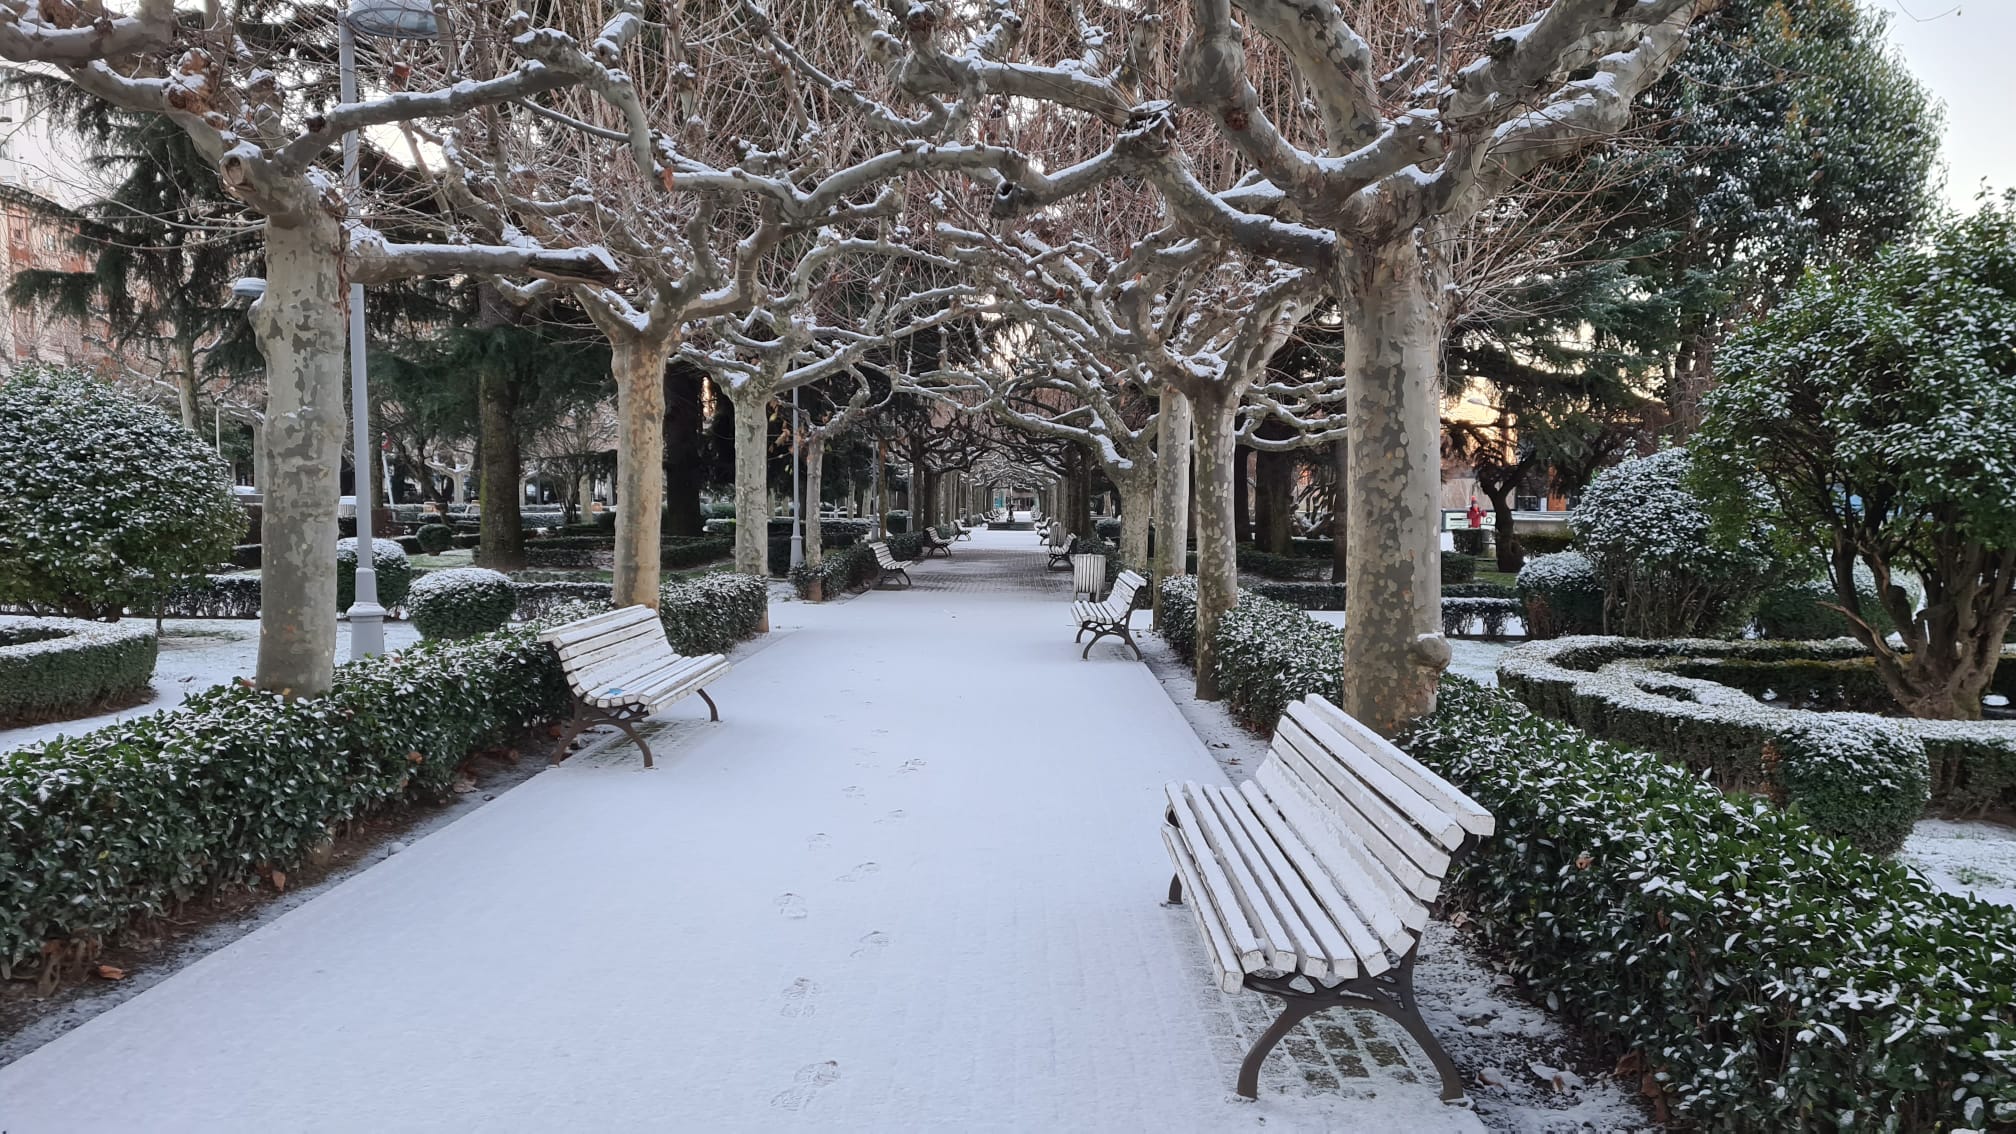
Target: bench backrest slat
(1411,861)
(1391,911)
(1124,589)
(1466,811)
(885,557)
(597,624)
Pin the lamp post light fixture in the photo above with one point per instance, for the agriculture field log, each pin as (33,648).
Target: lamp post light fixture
(384,19)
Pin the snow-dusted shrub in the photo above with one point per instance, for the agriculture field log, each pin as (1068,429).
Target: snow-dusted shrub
(896,522)
(1493,613)
(1179,614)
(395,572)
(1809,611)
(137,817)
(537,600)
(1270,653)
(1760,975)
(713,612)
(1561,595)
(846,569)
(906,545)
(461,602)
(1458,568)
(212,596)
(1664,572)
(1852,774)
(54,668)
(435,538)
(105,501)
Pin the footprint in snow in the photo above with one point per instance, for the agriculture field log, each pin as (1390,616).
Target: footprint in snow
(912,766)
(799,999)
(806,1084)
(862,871)
(892,817)
(791,906)
(871,942)
(852,792)
(818,841)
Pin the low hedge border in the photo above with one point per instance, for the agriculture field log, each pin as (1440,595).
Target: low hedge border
(713,612)
(136,818)
(1762,976)
(58,668)
(848,569)
(1638,692)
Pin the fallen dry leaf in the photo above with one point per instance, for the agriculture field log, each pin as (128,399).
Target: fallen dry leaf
(463,785)
(279,880)
(111,972)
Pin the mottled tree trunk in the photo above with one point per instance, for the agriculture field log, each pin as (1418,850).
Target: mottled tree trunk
(684,478)
(1276,480)
(1217,559)
(185,382)
(1394,652)
(1172,490)
(1504,530)
(300,324)
(1242,493)
(1340,514)
(752,482)
(500,543)
(639,366)
(1137,504)
(815,473)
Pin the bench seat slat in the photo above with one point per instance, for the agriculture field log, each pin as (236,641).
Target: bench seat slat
(1406,852)
(1356,872)
(1466,811)
(1367,931)
(628,677)
(1321,948)
(1438,824)
(680,682)
(645,688)
(1279,947)
(1245,939)
(1231,976)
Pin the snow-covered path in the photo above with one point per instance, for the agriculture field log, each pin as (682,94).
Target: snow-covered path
(912,880)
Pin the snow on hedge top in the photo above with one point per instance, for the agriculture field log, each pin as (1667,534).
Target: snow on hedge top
(455,579)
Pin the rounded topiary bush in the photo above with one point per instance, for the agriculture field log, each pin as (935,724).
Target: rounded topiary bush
(395,572)
(58,668)
(1664,571)
(461,602)
(435,538)
(1807,611)
(1561,595)
(105,501)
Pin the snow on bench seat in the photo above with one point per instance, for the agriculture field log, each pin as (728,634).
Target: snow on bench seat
(621,669)
(1312,881)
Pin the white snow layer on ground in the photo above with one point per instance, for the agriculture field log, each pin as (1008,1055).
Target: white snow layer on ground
(1965,858)
(911,880)
(196,653)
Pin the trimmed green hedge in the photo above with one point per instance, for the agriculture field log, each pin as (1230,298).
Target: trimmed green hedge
(713,612)
(1764,976)
(395,572)
(462,602)
(1860,775)
(1458,568)
(139,817)
(434,538)
(1269,653)
(1561,594)
(57,668)
(847,569)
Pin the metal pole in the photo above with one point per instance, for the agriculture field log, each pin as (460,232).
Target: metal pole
(367,618)
(797,507)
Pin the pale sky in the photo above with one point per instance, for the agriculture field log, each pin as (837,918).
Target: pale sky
(1965,51)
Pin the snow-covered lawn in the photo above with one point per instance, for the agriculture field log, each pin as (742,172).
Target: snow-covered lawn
(1965,858)
(196,653)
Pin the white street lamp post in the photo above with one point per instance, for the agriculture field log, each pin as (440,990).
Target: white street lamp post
(797,507)
(392,19)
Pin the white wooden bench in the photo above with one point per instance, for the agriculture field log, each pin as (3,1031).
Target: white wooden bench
(1112,617)
(934,542)
(892,567)
(964,532)
(1060,550)
(622,669)
(1312,881)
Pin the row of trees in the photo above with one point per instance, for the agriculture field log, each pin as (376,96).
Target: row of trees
(1149,235)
